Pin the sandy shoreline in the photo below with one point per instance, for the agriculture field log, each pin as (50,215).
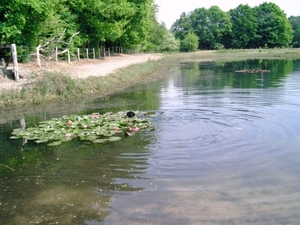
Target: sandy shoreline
(76,69)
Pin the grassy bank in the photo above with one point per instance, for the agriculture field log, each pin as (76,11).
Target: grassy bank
(53,86)
(49,87)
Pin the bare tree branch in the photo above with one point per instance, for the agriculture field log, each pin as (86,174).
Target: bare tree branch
(57,39)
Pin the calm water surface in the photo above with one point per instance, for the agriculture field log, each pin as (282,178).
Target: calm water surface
(225,150)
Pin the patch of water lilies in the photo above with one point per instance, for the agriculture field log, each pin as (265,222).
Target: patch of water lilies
(98,128)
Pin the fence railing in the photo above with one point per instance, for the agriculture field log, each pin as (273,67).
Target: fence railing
(39,55)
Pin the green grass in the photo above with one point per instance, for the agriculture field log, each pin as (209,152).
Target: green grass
(53,86)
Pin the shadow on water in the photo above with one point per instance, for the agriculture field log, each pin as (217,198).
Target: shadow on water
(224,151)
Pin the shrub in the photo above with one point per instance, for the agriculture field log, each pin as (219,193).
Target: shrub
(169,43)
(189,43)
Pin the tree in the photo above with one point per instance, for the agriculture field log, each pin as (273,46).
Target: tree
(274,29)
(221,26)
(169,43)
(200,22)
(190,43)
(156,36)
(212,26)
(295,22)
(137,29)
(21,21)
(182,26)
(244,26)
(100,22)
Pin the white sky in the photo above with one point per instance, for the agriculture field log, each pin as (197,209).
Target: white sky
(170,10)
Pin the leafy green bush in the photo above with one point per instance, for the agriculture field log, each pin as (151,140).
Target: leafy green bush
(169,43)
(189,43)
(219,46)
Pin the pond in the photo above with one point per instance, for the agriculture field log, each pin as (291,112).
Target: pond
(225,150)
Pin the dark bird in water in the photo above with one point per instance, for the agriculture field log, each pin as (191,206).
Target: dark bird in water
(130,114)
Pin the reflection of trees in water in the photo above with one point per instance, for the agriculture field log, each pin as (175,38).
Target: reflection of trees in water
(69,184)
(217,75)
(278,70)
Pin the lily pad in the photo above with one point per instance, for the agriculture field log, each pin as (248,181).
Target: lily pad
(54,143)
(100,140)
(14,137)
(41,141)
(114,138)
(95,127)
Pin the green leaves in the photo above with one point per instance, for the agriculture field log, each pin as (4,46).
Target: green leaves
(244,26)
(34,22)
(265,25)
(190,42)
(21,20)
(274,29)
(98,128)
(212,26)
(295,22)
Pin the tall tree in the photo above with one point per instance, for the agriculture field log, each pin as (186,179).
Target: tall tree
(21,21)
(201,24)
(212,26)
(139,25)
(102,21)
(107,22)
(182,26)
(274,29)
(156,36)
(244,26)
(295,22)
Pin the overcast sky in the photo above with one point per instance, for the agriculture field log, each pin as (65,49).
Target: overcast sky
(170,10)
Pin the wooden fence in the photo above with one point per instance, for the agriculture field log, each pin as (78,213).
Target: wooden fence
(57,55)
(6,57)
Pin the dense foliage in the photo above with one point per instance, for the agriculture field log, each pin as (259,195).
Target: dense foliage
(133,24)
(190,42)
(264,26)
(295,21)
(106,23)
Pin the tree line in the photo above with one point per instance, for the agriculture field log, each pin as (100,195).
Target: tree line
(263,26)
(133,24)
(81,23)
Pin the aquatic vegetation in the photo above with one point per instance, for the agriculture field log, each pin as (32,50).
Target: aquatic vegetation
(252,71)
(98,128)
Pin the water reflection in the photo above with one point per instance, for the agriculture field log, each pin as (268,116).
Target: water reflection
(71,183)
(224,151)
(216,75)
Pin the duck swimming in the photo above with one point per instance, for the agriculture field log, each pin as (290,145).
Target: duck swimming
(130,114)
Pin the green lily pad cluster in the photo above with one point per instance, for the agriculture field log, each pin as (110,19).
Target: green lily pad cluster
(98,128)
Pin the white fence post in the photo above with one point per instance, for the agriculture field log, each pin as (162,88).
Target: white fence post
(69,58)
(15,60)
(56,58)
(38,57)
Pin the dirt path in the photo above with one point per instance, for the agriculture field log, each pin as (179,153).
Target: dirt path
(76,69)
